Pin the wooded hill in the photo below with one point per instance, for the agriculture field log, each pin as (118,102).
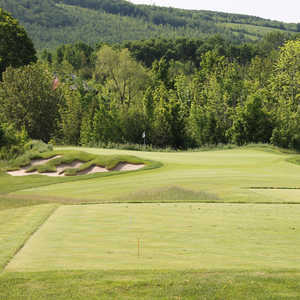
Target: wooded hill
(52,22)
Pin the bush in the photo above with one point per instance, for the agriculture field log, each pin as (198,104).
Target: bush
(12,141)
(38,146)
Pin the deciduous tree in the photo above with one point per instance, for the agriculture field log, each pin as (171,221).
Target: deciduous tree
(28,100)
(16,48)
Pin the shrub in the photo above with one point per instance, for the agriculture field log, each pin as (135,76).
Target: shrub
(12,141)
(37,146)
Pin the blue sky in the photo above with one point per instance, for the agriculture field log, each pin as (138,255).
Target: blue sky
(287,10)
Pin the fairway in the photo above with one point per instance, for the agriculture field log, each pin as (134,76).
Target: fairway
(228,174)
(221,224)
(172,236)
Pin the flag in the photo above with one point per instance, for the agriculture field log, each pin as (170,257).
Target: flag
(55,84)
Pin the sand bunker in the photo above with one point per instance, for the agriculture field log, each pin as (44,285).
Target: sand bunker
(92,169)
(74,165)
(41,161)
(60,169)
(35,162)
(127,167)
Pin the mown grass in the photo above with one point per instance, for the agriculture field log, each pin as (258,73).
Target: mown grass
(173,236)
(168,194)
(149,285)
(226,174)
(16,226)
(229,251)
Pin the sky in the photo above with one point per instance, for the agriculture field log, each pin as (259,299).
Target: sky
(281,10)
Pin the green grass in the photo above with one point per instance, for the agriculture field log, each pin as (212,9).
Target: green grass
(67,157)
(294,160)
(173,236)
(168,194)
(227,174)
(9,184)
(255,31)
(9,203)
(16,226)
(222,250)
(149,285)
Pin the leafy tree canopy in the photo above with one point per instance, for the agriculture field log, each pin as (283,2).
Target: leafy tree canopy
(27,100)
(16,48)
(51,23)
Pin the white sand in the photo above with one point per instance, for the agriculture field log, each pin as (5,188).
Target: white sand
(21,172)
(42,161)
(127,167)
(34,162)
(92,169)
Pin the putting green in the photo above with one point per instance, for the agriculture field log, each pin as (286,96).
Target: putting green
(172,236)
(227,174)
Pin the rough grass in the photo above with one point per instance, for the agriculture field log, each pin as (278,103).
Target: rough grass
(172,236)
(168,194)
(16,226)
(149,285)
(294,160)
(9,203)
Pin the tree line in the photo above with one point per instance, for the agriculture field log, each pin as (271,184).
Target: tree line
(182,93)
(51,23)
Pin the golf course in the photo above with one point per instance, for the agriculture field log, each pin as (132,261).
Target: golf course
(121,224)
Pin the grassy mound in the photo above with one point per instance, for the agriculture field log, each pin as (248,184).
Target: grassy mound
(66,157)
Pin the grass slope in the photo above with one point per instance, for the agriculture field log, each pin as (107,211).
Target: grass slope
(172,236)
(16,226)
(236,251)
(226,174)
(254,32)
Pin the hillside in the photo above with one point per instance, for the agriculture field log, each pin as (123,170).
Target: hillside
(53,22)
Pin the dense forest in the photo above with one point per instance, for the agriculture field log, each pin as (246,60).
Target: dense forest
(182,93)
(51,23)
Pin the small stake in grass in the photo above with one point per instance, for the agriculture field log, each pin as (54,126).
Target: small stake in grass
(139,248)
